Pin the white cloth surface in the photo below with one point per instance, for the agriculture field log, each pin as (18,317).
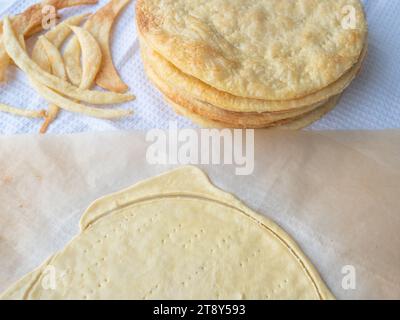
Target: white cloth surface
(371,103)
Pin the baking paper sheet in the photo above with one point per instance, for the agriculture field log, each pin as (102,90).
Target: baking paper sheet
(337,194)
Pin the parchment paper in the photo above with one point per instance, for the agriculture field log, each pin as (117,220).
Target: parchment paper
(337,194)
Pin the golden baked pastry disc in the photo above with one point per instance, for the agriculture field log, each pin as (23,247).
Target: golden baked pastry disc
(207,110)
(263,49)
(181,82)
(297,123)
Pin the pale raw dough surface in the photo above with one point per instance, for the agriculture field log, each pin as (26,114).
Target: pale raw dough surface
(176,236)
(185,83)
(266,49)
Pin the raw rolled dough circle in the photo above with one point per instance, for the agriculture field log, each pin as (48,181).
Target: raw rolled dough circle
(175,236)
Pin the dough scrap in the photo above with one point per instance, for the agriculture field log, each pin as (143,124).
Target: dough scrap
(99,25)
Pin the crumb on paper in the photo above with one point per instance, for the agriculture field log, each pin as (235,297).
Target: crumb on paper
(7,179)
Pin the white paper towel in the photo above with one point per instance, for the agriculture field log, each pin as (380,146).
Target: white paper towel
(372,101)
